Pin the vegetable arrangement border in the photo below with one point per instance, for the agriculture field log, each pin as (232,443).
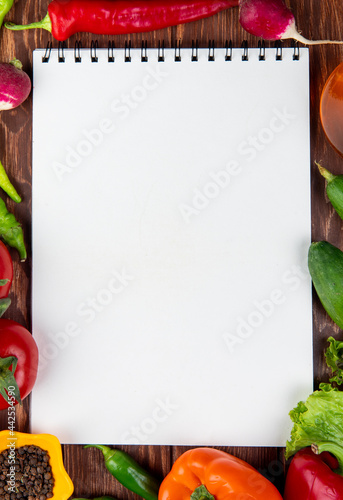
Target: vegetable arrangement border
(309,474)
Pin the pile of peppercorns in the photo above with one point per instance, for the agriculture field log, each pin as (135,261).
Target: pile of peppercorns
(33,476)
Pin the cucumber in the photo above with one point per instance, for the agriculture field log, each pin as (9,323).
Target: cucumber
(325,263)
(334,189)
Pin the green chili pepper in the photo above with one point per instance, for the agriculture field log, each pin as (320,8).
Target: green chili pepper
(128,472)
(6,184)
(5,6)
(11,231)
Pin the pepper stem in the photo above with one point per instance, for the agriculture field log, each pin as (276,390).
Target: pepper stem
(201,493)
(45,24)
(106,450)
(325,173)
(333,448)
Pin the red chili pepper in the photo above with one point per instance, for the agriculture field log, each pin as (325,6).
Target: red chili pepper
(311,477)
(119,17)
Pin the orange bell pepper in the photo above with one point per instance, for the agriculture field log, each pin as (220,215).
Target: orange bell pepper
(211,474)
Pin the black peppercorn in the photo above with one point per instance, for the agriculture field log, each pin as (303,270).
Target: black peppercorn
(25,474)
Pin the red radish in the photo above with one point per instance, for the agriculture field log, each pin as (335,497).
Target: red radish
(15,84)
(271,20)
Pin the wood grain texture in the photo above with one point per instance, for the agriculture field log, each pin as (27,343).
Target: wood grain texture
(316,19)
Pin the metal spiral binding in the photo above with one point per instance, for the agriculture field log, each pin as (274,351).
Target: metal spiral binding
(161,51)
(296,53)
(211,50)
(278,47)
(228,50)
(262,53)
(127,56)
(195,48)
(77,52)
(177,57)
(47,53)
(144,52)
(245,55)
(110,56)
(61,47)
(94,46)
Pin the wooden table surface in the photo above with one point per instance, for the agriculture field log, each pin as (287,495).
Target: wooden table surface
(316,19)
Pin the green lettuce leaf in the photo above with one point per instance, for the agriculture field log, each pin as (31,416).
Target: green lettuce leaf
(318,422)
(334,360)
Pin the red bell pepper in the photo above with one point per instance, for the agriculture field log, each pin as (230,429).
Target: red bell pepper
(316,445)
(312,477)
(119,17)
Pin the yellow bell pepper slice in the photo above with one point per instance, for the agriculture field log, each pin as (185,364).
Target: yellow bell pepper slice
(63,486)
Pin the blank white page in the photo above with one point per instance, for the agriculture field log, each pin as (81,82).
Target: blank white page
(171,224)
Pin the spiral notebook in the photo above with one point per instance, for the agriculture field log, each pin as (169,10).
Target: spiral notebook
(171,224)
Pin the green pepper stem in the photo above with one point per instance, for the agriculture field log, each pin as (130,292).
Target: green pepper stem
(106,450)
(45,24)
(5,183)
(325,173)
(201,493)
(333,448)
